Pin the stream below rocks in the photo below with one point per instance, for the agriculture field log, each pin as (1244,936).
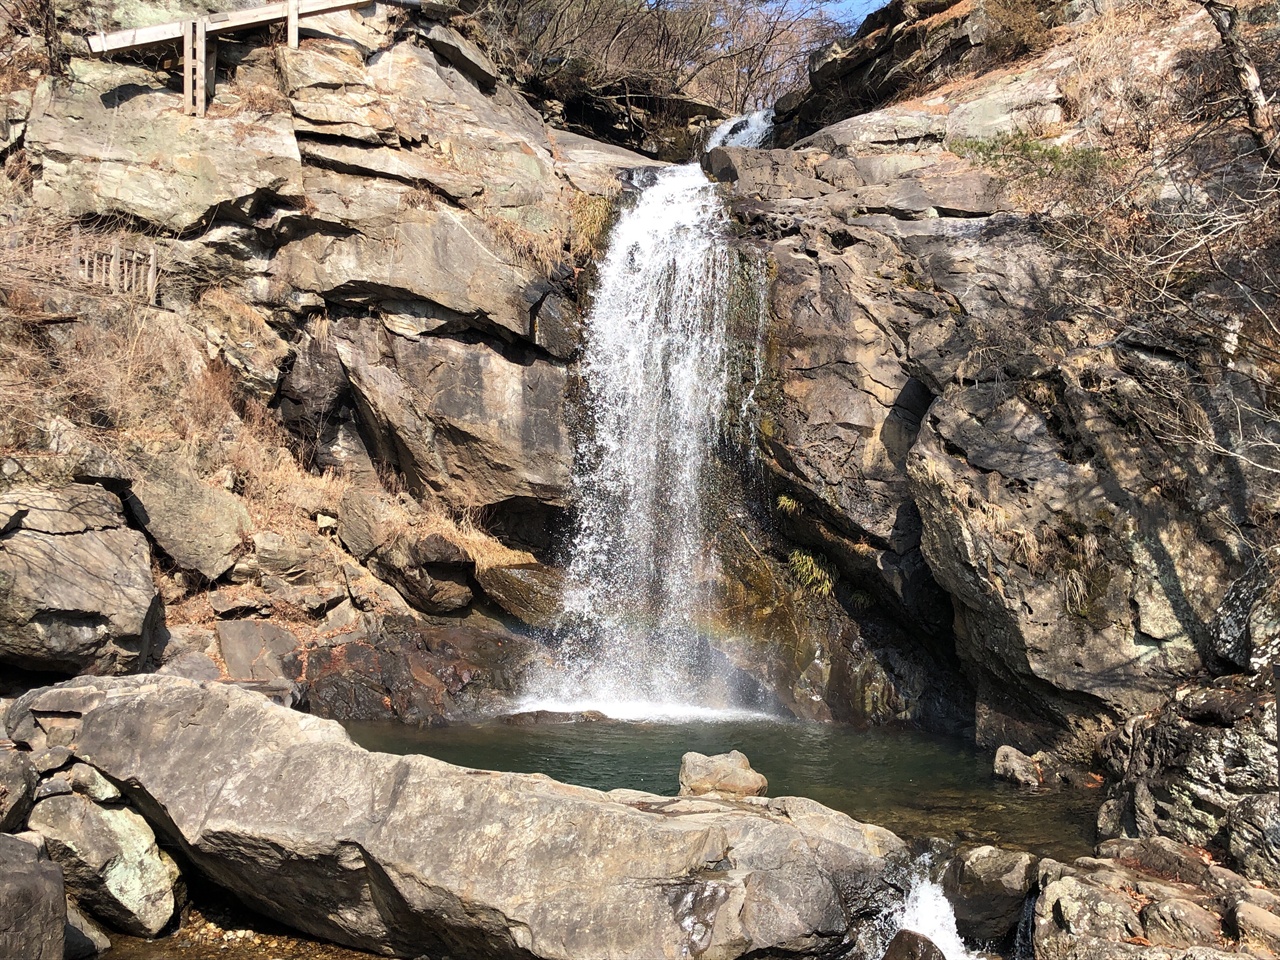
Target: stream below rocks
(915,784)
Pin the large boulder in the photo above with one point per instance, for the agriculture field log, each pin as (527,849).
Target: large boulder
(201,527)
(111,862)
(726,774)
(33,909)
(404,854)
(987,887)
(76,592)
(1149,900)
(460,419)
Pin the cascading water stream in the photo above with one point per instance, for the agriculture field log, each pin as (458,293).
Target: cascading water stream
(655,374)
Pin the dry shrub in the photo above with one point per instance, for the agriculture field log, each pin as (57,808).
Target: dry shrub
(590,218)
(256,98)
(1021,29)
(486,550)
(542,251)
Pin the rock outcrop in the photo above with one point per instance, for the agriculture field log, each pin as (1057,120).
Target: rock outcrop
(1149,900)
(990,471)
(76,593)
(1182,772)
(402,854)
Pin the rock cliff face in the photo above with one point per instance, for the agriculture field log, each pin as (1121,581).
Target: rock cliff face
(959,424)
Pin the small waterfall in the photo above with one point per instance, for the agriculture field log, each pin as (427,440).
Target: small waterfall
(749,131)
(655,371)
(928,912)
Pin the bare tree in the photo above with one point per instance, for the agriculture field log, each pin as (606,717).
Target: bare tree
(1257,105)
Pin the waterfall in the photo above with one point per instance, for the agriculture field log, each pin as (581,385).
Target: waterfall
(656,385)
(928,912)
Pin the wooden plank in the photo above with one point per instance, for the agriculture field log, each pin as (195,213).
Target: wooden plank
(293,24)
(188,67)
(101,43)
(202,68)
(232,20)
(211,67)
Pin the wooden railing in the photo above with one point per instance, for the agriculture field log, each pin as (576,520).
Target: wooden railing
(116,267)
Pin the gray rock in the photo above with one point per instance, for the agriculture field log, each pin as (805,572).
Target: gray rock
(460,419)
(726,775)
(201,527)
(50,759)
(529,592)
(193,666)
(254,649)
(53,787)
(1180,923)
(402,854)
(88,781)
(464,55)
(112,865)
(909,945)
(116,141)
(84,938)
(1257,926)
(1253,827)
(33,908)
(17,789)
(987,887)
(1015,766)
(75,584)
(1179,772)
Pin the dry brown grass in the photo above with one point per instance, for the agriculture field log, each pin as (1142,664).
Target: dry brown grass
(590,218)
(463,530)
(543,251)
(256,98)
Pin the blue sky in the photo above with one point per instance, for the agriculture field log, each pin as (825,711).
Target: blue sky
(853,10)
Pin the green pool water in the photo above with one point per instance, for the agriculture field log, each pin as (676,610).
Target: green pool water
(915,784)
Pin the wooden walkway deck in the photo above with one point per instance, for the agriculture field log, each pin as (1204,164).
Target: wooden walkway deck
(198,39)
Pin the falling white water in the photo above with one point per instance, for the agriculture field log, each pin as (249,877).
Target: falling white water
(748,131)
(655,369)
(928,912)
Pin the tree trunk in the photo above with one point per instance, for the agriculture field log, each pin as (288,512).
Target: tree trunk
(1262,118)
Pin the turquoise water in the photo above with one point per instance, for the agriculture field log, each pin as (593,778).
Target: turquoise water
(915,784)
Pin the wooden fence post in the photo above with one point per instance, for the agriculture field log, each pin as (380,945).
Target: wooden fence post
(293,24)
(113,280)
(152,276)
(75,252)
(188,67)
(202,67)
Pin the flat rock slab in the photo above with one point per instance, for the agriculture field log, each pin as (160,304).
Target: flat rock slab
(409,855)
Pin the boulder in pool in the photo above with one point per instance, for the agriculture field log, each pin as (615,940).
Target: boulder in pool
(724,775)
(410,856)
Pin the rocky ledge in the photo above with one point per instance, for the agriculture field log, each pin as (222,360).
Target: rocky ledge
(401,855)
